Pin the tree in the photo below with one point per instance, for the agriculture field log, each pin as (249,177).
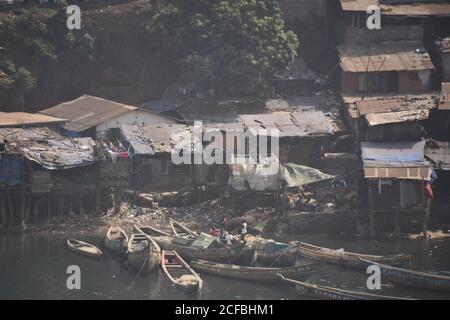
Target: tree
(233,47)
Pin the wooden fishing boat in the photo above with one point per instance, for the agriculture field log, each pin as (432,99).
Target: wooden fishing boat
(150,231)
(285,256)
(181,230)
(329,293)
(143,253)
(179,272)
(184,248)
(254,273)
(411,278)
(349,259)
(84,248)
(116,240)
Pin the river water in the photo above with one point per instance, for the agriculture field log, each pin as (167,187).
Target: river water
(34,267)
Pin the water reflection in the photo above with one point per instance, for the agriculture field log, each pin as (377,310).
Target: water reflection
(34,267)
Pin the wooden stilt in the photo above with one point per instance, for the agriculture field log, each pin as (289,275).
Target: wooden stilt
(397,223)
(2,210)
(371,217)
(11,213)
(61,205)
(97,201)
(427,217)
(117,200)
(80,205)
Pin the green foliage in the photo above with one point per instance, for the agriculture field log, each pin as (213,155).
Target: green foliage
(231,46)
(14,83)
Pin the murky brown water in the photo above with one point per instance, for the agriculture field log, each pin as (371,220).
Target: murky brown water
(34,267)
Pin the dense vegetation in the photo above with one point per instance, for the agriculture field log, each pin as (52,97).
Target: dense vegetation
(233,47)
(35,34)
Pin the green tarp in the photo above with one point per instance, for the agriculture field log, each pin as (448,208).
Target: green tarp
(297,175)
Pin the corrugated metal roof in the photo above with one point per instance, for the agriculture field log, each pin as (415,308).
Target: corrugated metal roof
(407,9)
(386,56)
(416,9)
(357,5)
(153,139)
(87,111)
(48,148)
(23,119)
(290,124)
(383,109)
(400,160)
(444,103)
(439,153)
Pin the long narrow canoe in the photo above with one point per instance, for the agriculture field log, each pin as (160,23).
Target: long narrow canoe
(84,248)
(349,259)
(150,231)
(284,257)
(411,278)
(192,253)
(143,253)
(116,240)
(179,272)
(254,273)
(181,230)
(329,293)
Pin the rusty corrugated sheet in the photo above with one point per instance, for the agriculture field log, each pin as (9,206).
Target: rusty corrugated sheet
(23,119)
(357,5)
(387,56)
(444,103)
(87,111)
(416,9)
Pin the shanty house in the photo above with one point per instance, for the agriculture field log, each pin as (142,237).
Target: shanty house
(98,118)
(387,67)
(396,176)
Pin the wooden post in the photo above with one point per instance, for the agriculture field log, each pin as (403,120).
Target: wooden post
(48,207)
(81,212)
(426,218)
(397,222)
(117,200)
(2,210)
(371,217)
(97,201)
(11,214)
(61,205)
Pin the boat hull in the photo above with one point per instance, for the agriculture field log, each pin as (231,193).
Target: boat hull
(254,273)
(410,278)
(347,259)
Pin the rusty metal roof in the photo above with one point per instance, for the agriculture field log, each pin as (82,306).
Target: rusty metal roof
(48,148)
(87,111)
(384,109)
(357,5)
(444,103)
(416,9)
(386,56)
(406,9)
(290,124)
(23,119)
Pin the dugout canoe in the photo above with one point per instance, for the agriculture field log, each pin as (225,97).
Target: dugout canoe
(181,230)
(116,240)
(349,259)
(84,248)
(179,272)
(186,251)
(143,253)
(330,293)
(411,278)
(150,231)
(254,273)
